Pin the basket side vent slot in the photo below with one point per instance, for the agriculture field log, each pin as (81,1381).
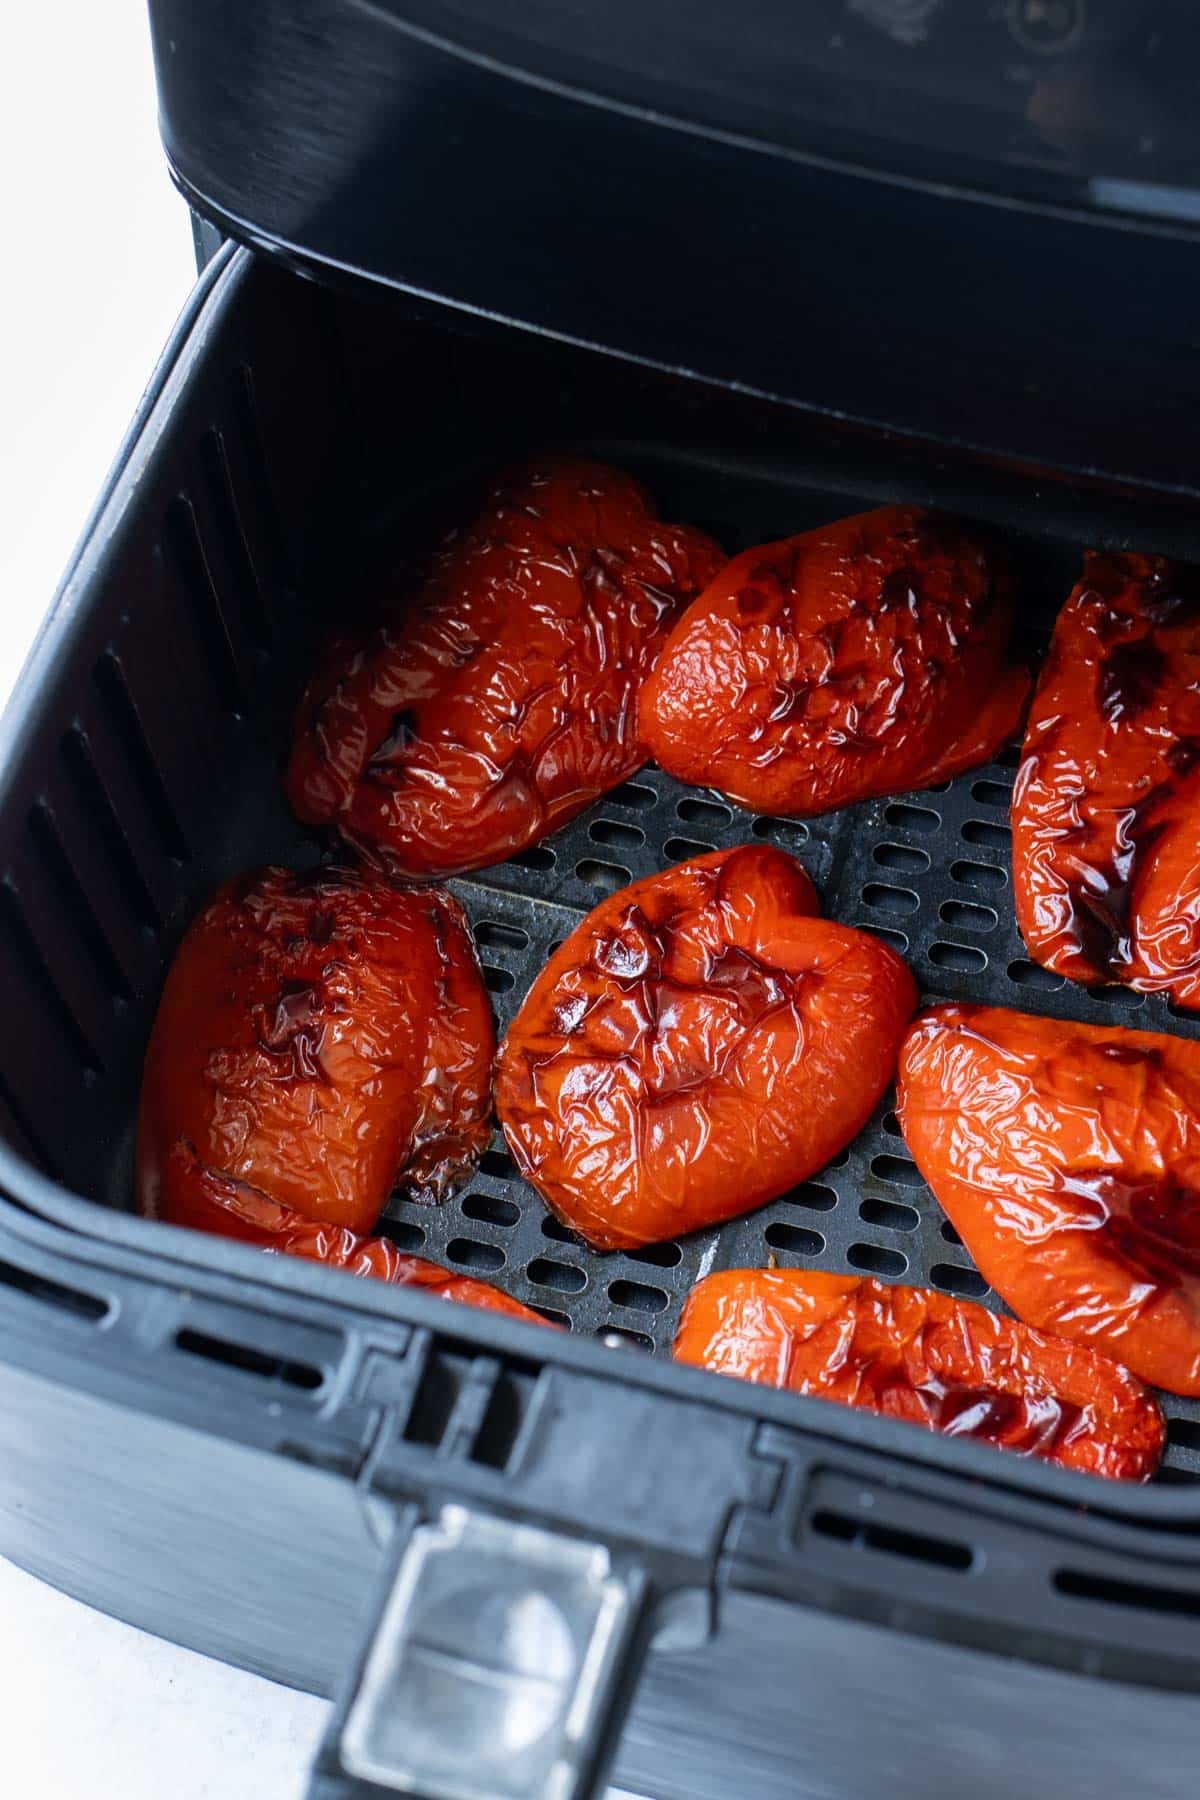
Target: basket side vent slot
(186,557)
(74,901)
(264,508)
(914,1546)
(227,522)
(129,733)
(94,802)
(249,1359)
(39,979)
(54,1293)
(1144,1596)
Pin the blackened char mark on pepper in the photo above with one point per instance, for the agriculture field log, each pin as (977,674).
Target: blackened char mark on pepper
(1130,676)
(1173,596)
(768,589)
(396,744)
(1108,574)
(294,1027)
(901,588)
(1168,592)
(636,953)
(1150,1227)
(883,1381)
(1101,899)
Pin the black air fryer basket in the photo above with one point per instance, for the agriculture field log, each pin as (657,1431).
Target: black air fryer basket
(472,233)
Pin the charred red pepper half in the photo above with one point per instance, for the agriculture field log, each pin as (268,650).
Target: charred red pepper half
(699,1044)
(499,698)
(864,658)
(207,1200)
(1106,807)
(1068,1158)
(910,1353)
(320,1037)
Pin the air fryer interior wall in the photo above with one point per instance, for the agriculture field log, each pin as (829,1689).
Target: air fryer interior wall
(335,427)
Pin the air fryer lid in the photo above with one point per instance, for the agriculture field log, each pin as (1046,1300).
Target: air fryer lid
(969,222)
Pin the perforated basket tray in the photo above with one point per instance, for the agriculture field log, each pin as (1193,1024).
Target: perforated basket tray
(144,765)
(930,872)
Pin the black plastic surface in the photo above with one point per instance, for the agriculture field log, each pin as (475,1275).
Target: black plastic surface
(375,141)
(1087,100)
(291,434)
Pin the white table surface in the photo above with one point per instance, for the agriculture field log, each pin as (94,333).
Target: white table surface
(99,262)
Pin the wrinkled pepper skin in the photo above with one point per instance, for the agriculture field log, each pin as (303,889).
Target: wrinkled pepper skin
(864,658)
(207,1200)
(699,1044)
(500,698)
(1106,805)
(320,1036)
(911,1353)
(1068,1158)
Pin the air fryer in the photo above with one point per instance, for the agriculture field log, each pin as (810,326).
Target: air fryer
(783,268)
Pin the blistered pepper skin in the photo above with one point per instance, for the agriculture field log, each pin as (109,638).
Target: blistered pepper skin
(320,1036)
(864,658)
(699,1044)
(914,1354)
(207,1200)
(1068,1159)
(500,698)
(1106,804)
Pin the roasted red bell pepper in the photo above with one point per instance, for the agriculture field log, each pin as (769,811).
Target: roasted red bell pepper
(1106,807)
(911,1353)
(867,657)
(1068,1159)
(320,1037)
(698,1045)
(207,1200)
(498,698)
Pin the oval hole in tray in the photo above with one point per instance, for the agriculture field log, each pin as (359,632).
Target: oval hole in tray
(889,899)
(616,835)
(873,1259)
(605,876)
(913,818)
(963,957)
(545,1272)
(497,934)
(467,1253)
(713,815)
(977,874)
(889,1213)
(490,1209)
(903,857)
(638,1295)
(794,1239)
(983,831)
(967,1283)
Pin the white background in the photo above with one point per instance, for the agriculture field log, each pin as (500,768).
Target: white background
(98,262)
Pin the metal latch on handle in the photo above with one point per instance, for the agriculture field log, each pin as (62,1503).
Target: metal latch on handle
(498,1667)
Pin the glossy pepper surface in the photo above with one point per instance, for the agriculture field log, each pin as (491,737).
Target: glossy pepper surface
(867,657)
(320,1036)
(207,1200)
(1106,806)
(499,698)
(700,1043)
(1068,1158)
(911,1353)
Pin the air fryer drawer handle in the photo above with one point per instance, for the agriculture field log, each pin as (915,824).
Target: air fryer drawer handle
(498,1668)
